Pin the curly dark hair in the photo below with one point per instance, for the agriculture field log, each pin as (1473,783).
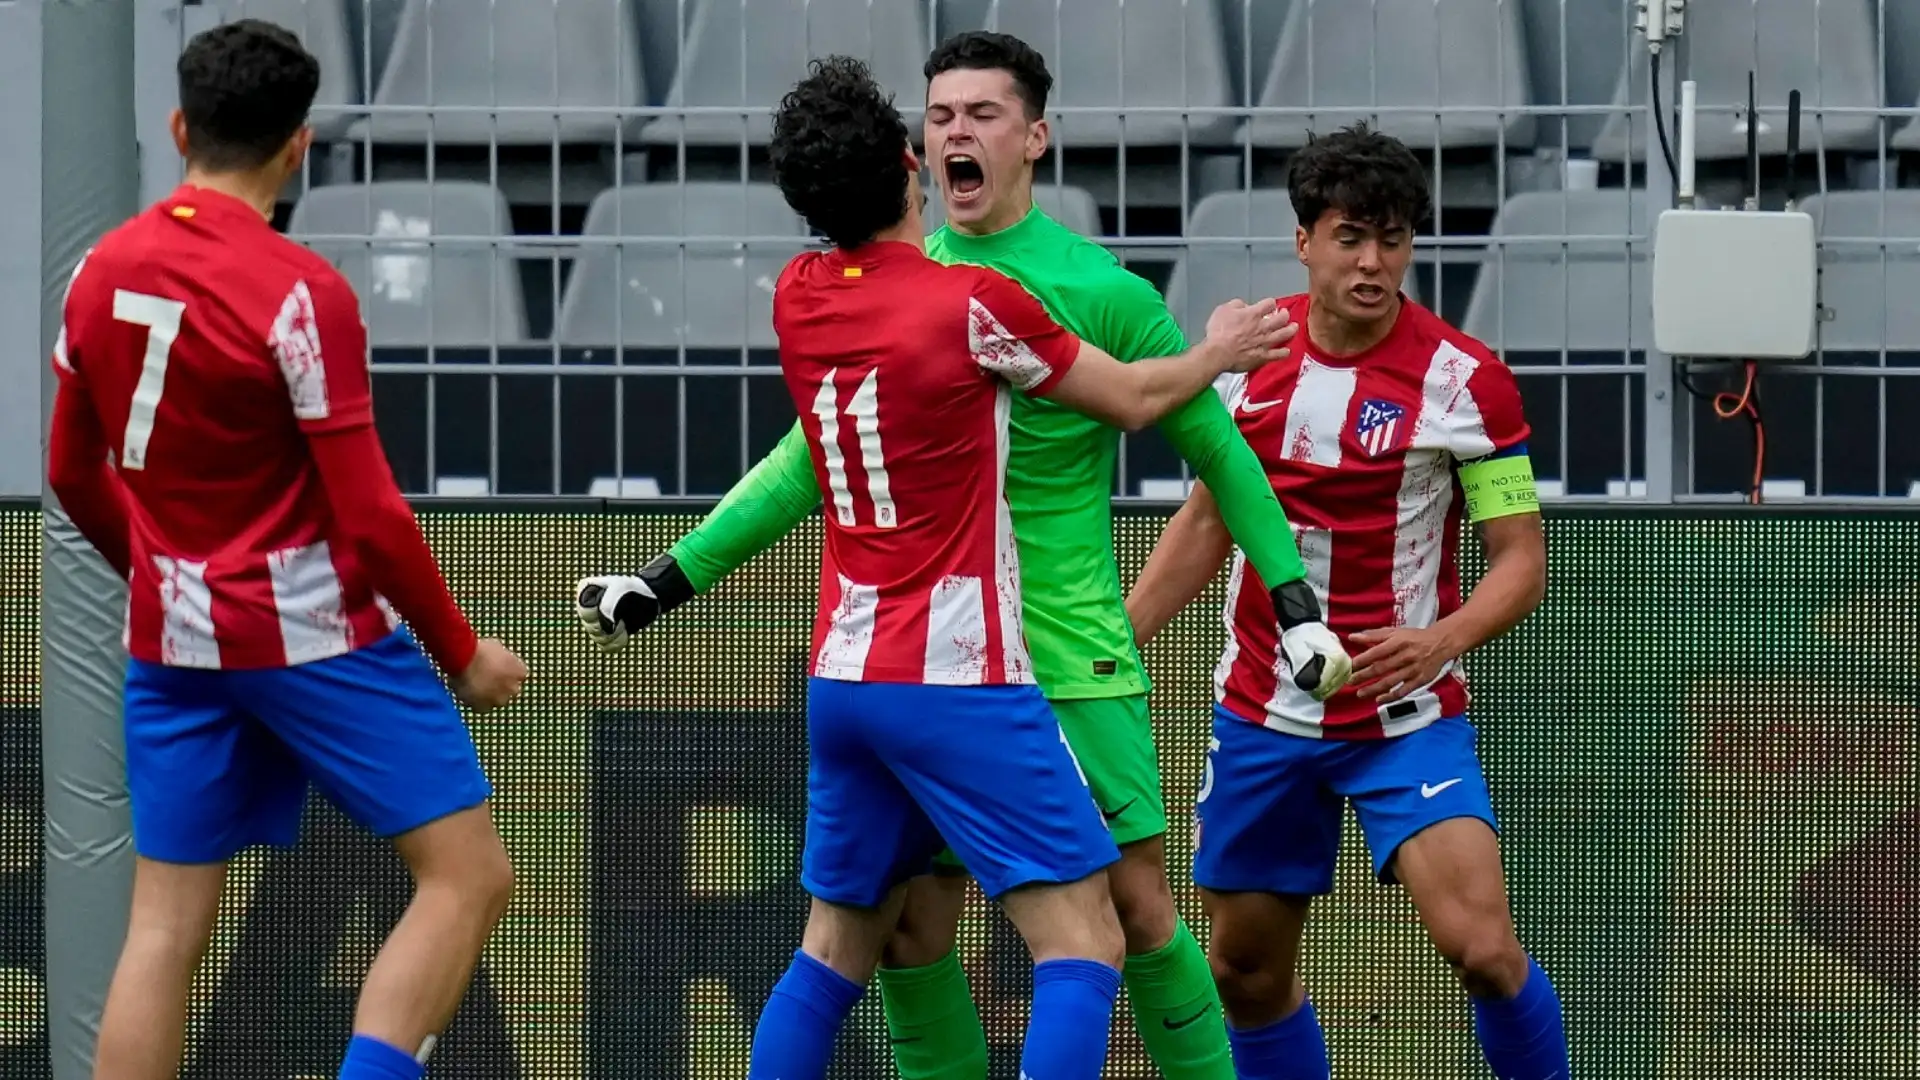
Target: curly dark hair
(839,152)
(1364,174)
(245,88)
(984,50)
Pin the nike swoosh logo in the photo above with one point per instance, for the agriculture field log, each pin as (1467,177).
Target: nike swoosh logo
(1118,810)
(1428,791)
(1249,407)
(1175,1025)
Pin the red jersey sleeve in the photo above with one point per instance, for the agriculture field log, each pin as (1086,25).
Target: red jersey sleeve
(320,343)
(77,451)
(1012,337)
(1487,417)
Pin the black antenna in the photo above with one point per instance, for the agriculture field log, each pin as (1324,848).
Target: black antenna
(1753,145)
(1793,148)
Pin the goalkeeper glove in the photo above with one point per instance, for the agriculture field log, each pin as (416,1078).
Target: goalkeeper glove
(1312,652)
(613,607)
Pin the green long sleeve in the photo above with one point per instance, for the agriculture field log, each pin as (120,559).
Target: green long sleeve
(776,494)
(1203,433)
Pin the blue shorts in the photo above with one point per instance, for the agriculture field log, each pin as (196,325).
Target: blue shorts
(898,771)
(219,761)
(1270,804)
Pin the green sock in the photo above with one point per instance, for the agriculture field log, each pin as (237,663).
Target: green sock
(935,1027)
(1176,1009)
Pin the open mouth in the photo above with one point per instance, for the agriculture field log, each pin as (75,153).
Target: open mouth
(965,177)
(1370,294)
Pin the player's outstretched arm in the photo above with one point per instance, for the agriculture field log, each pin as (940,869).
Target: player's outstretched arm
(1203,433)
(776,495)
(1240,337)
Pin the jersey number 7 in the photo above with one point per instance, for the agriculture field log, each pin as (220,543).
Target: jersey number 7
(161,318)
(864,409)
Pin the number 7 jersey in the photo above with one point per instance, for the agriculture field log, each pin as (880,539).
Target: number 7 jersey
(209,346)
(902,370)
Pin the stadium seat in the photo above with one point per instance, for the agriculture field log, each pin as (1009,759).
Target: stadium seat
(1852,287)
(733,61)
(1208,275)
(1140,53)
(1340,57)
(1070,206)
(1774,39)
(516,53)
(1908,137)
(1538,293)
(321,25)
(428,274)
(643,295)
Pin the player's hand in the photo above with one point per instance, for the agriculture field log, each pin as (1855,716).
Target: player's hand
(1315,658)
(1250,335)
(1399,660)
(493,678)
(613,607)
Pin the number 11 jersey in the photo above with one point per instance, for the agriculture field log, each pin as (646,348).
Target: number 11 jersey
(902,370)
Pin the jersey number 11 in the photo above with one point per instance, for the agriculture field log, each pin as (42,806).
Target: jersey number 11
(864,409)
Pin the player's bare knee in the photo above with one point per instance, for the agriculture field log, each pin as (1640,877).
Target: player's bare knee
(1070,921)
(493,882)
(1255,986)
(929,921)
(916,944)
(1487,958)
(1144,906)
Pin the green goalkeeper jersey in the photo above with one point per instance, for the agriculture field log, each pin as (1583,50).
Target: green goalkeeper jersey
(1059,473)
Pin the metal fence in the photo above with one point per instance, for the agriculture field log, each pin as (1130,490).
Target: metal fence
(558,217)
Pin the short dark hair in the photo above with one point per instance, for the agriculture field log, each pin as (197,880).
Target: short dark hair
(245,88)
(985,50)
(839,152)
(1364,174)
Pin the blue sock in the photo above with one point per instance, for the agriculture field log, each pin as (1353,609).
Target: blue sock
(1523,1037)
(801,1021)
(1072,1009)
(1291,1049)
(370,1059)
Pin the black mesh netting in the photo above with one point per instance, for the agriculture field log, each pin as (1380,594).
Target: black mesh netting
(1702,750)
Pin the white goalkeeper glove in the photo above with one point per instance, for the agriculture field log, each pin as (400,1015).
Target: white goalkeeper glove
(1313,653)
(613,607)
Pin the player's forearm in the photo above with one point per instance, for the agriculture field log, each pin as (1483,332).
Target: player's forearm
(1187,556)
(89,491)
(1160,386)
(774,497)
(376,520)
(1202,432)
(1514,585)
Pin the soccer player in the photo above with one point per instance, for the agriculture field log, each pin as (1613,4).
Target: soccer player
(1379,434)
(924,722)
(267,550)
(985,128)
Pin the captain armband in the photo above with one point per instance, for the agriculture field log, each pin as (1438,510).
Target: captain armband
(1499,486)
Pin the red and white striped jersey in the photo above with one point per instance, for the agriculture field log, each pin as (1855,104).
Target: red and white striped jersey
(1362,451)
(902,371)
(198,331)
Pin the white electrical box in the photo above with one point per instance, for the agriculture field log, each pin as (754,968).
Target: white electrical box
(1734,284)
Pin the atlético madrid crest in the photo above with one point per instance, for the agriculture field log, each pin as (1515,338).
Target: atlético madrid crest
(1382,427)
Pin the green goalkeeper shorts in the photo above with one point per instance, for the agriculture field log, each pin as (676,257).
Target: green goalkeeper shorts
(1112,738)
